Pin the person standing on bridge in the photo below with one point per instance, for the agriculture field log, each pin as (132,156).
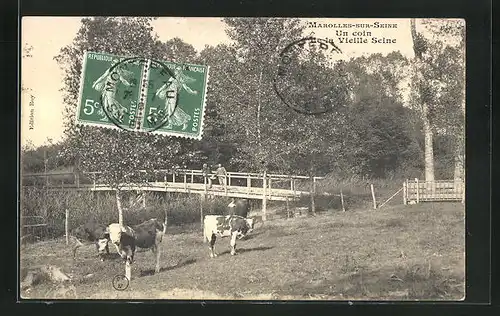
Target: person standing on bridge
(221,174)
(207,174)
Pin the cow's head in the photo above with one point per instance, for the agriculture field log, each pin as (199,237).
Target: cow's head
(114,232)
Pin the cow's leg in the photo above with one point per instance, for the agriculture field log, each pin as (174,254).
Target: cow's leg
(212,246)
(128,269)
(75,248)
(102,246)
(99,255)
(233,242)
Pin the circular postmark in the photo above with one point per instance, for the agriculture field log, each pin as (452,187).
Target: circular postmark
(120,282)
(298,83)
(126,87)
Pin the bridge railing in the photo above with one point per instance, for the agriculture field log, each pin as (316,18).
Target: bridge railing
(239,179)
(248,179)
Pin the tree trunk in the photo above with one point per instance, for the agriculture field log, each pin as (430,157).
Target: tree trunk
(119,205)
(258,111)
(429,150)
(428,134)
(459,162)
(459,173)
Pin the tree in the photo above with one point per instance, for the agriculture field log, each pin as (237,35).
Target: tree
(257,43)
(438,85)
(450,34)
(222,131)
(122,157)
(422,96)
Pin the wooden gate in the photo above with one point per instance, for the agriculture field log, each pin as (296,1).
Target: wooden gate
(415,191)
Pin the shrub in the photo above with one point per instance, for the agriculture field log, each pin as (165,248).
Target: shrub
(83,206)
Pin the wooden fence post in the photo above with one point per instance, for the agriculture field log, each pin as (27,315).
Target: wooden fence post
(463,191)
(264,197)
(405,201)
(311,193)
(66,226)
(249,181)
(342,200)
(418,190)
(373,196)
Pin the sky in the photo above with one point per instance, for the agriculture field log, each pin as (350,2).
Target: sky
(43,117)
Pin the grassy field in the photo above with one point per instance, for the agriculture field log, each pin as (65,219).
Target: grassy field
(414,252)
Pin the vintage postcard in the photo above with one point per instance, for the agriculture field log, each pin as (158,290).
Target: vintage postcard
(242,159)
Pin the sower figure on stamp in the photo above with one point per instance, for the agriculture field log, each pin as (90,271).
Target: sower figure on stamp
(221,174)
(207,175)
(107,85)
(169,92)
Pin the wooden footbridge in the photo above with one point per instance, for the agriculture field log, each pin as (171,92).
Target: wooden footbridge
(261,186)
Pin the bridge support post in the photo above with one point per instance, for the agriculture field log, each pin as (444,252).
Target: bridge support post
(264,197)
(287,208)
(66,225)
(202,201)
(270,189)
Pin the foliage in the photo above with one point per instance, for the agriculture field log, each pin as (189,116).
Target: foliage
(101,207)
(33,158)
(119,155)
(248,128)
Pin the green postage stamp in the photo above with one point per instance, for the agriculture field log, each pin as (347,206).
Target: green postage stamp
(142,95)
